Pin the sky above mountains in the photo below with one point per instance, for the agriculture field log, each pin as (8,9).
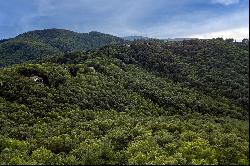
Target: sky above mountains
(150,18)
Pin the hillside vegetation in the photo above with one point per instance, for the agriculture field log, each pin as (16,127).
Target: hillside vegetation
(141,102)
(39,44)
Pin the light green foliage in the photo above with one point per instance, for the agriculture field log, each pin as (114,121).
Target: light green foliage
(42,155)
(198,152)
(147,152)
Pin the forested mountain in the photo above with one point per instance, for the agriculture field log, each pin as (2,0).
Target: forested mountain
(140,102)
(38,44)
(214,67)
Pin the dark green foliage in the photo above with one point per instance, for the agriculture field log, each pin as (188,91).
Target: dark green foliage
(144,102)
(40,44)
(17,51)
(214,67)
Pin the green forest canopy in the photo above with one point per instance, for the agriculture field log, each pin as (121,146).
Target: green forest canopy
(141,102)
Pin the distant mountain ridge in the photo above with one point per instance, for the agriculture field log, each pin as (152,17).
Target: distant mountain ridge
(39,43)
(132,38)
(179,39)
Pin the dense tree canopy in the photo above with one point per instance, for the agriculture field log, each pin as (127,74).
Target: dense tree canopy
(141,102)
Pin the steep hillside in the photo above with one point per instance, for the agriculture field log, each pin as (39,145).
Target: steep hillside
(214,67)
(136,103)
(34,45)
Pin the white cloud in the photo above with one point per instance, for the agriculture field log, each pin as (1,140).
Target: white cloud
(225,2)
(194,25)
(237,33)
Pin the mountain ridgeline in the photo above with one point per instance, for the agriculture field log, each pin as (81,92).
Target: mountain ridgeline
(132,38)
(127,102)
(38,44)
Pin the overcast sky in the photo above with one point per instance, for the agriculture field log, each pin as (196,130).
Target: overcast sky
(151,18)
